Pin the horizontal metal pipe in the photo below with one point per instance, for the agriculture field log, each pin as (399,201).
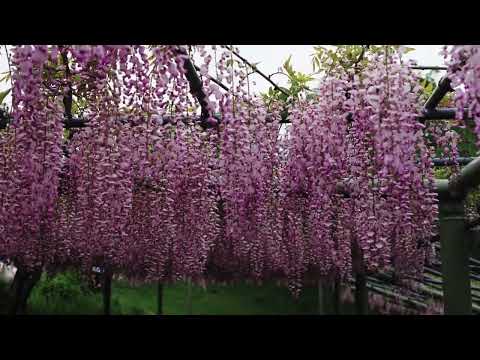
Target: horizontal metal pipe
(467,180)
(427,114)
(81,123)
(446,162)
(437,114)
(443,114)
(428,67)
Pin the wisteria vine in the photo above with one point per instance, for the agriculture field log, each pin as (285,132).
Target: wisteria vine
(242,198)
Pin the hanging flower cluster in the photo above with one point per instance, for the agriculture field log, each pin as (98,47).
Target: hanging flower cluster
(99,163)
(226,198)
(464,72)
(393,207)
(314,166)
(248,193)
(442,136)
(7,192)
(31,161)
(144,199)
(176,210)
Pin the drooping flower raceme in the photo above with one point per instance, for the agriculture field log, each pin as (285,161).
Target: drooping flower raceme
(393,206)
(464,72)
(232,201)
(34,151)
(314,165)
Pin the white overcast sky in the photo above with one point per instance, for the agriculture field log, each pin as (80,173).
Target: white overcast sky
(271,57)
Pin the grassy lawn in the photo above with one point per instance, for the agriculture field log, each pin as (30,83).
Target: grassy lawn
(215,300)
(239,299)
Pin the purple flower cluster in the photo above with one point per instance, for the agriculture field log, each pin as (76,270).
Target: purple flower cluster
(392,209)
(32,160)
(464,72)
(236,201)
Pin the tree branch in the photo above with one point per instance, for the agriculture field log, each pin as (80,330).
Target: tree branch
(254,68)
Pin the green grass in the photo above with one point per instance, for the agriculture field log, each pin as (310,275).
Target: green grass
(238,299)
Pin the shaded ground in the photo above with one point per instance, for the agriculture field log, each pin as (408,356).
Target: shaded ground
(240,299)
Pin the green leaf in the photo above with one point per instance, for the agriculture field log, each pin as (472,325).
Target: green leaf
(254,65)
(3,95)
(6,77)
(287,62)
(288,67)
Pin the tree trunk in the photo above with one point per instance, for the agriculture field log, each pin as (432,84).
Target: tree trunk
(361,292)
(107,291)
(16,290)
(16,280)
(21,288)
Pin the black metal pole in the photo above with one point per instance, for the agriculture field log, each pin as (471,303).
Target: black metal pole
(159,298)
(189,297)
(447,162)
(336,297)
(321,305)
(428,67)
(327,297)
(107,291)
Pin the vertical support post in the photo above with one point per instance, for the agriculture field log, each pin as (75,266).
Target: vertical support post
(328,297)
(107,291)
(361,294)
(454,254)
(159,298)
(336,297)
(189,297)
(320,298)
(361,291)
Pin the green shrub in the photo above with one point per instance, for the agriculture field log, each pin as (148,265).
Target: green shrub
(64,286)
